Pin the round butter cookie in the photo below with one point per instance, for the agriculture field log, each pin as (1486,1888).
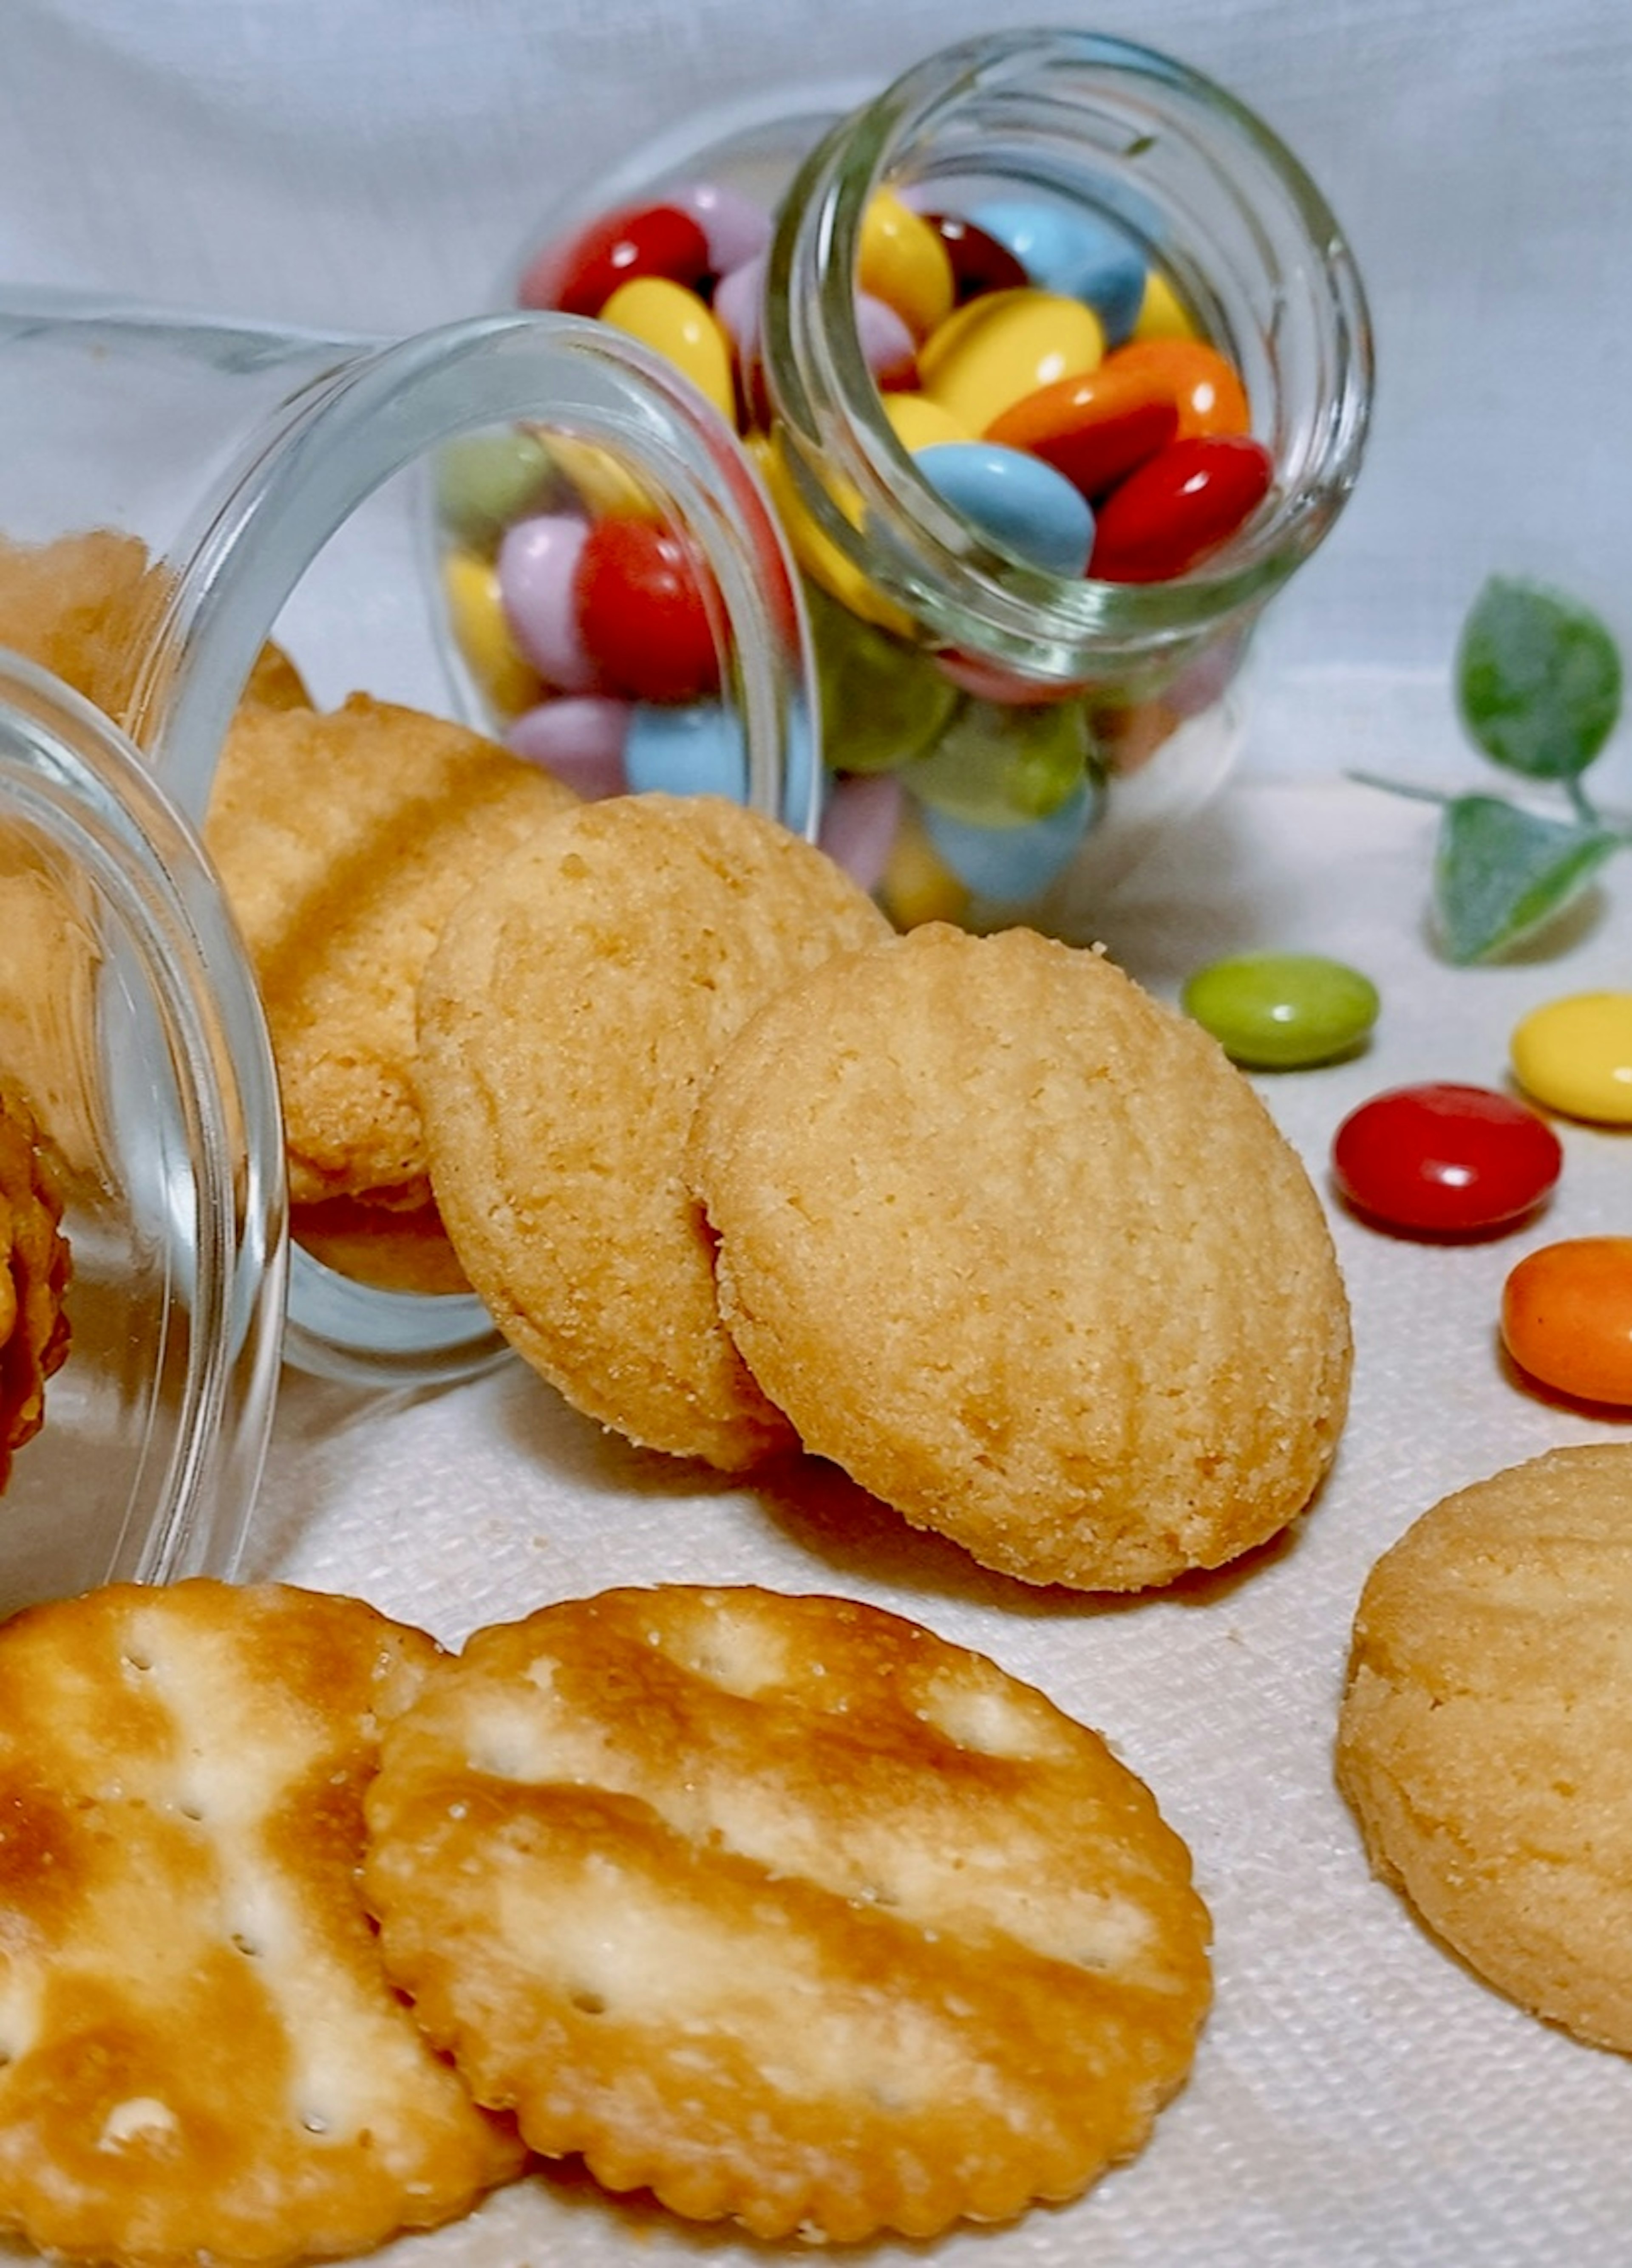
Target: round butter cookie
(1482,1738)
(343,839)
(201,2056)
(571,1016)
(1020,1249)
(786,1909)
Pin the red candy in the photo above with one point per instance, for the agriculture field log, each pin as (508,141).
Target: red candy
(646,613)
(1179,505)
(980,262)
(580,277)
(1095,428)
(1445,1160)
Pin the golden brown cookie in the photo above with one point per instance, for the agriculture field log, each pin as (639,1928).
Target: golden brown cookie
(343,840)
(1017,1247)
(1482,1739)
(203,2057)
(568,1021)
(787,1909)
(84,607)
(36,1265)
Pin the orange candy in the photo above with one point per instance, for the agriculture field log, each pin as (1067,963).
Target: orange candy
(1210,394)
(1093,428)
(1567,1318)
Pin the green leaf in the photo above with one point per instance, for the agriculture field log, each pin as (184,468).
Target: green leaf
(1537,680)
(1499,873)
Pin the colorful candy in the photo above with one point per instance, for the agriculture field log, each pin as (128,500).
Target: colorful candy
(1575,1056)
(1048,380)
(1283,1011)
(1443,1159)
(1567,1318)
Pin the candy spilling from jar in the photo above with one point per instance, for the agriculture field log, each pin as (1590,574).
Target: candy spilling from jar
(1050,386)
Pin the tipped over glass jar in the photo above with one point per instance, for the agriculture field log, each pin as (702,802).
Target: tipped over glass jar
(1058,367)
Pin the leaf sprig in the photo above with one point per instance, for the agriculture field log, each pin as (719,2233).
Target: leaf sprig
(1538,684)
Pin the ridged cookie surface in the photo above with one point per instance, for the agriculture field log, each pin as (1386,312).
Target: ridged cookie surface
(201,2057)
(344,838)
(568,1022)
(787,1909)
(1483,1735)
(1017,1247)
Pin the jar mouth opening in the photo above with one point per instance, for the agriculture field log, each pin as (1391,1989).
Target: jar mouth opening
(1209,189)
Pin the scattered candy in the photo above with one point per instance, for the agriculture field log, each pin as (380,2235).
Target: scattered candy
(1443,1159)
(1575,1056)
(1567,1318)
(1283,1011)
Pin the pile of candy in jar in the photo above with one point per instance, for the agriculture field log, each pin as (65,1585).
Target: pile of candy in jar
(1049,385)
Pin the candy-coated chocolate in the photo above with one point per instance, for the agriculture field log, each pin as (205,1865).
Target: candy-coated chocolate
(1009,864)
(675,323)
(1162,314)
(920,422)
(888,347)
(1283,1011)
(991,352)
(484,481)
(918,885)
(1064,247)
(859,825)
(1004,766)
(1022,503)
(815,550)
(602,481)
(980,262)
(883,702)
(646,611)
(476,615)
(1574,1055)
(1567,1318)
(1178,506)
(736,227)
(537,564)
(903,261)
(578,737)
(1443,1159)
(580,276)
(1094,428)
(697,750)
(1204,388)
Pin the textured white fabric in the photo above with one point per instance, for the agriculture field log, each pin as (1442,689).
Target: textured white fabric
(374,165)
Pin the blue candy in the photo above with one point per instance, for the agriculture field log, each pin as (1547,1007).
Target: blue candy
(1019,501)
(1009,864)
(699,748)
(1076,253)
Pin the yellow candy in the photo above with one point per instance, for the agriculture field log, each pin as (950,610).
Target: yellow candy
(996,349)
(1575,1056)
(1161,313)
(920,422)
(470,586)
(916,886)
(607,488)
(903,262)
(673,322)
(814,548)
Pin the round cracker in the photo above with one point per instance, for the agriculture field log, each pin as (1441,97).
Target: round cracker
(201,2057)
(343,839)
(787,1909)
(1482,1736)
(1020,1249)
(569,1018)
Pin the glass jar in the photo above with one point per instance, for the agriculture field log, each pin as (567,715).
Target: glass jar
(1037,727)
(131,1037)
(283,482)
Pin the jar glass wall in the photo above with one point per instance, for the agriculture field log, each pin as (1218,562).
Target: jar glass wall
(282,485)
(1040,725)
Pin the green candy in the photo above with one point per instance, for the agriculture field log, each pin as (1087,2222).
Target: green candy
(1283,1011)
(997,766)
(485,480)
(881,703)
